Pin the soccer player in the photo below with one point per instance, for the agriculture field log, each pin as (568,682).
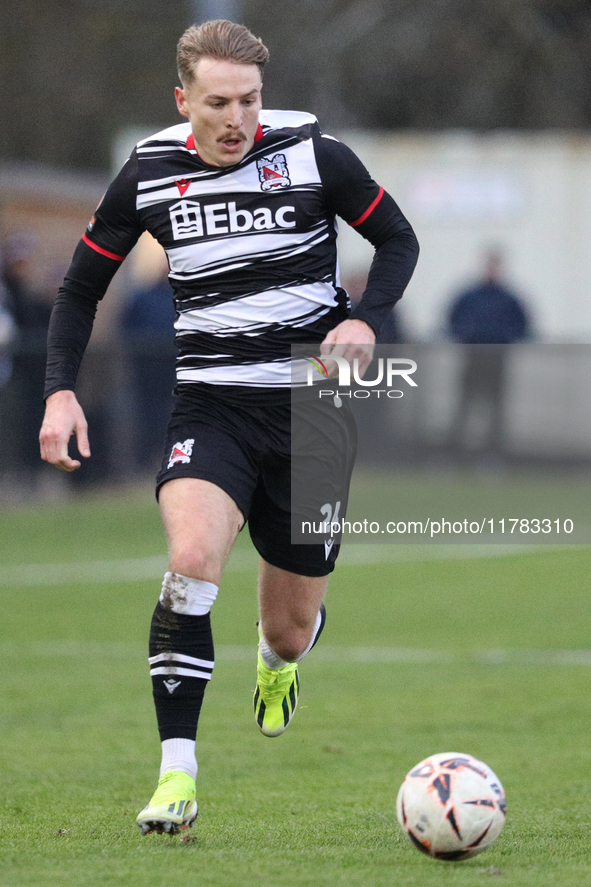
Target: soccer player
(244,203)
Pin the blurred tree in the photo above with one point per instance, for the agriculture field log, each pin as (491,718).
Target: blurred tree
(72,72)
(432,64)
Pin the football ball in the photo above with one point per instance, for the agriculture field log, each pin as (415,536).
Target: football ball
(451,806)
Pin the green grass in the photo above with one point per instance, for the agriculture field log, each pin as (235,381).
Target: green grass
(477,495)
(79,750)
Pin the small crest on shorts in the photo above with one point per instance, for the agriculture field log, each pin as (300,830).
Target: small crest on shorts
(181,452)
(273,172)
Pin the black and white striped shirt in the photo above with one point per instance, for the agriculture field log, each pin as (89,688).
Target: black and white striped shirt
(252,250)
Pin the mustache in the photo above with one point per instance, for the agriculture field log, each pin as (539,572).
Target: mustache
(234,135)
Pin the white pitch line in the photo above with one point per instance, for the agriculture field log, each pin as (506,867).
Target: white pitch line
(357,555)
(153,567)
(99,571)
(424,656)
(69,649)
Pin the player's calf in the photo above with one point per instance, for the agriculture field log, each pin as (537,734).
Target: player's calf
(278,684)
(181,661)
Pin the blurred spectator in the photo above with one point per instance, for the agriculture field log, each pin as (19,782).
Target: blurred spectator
(7,335)
(148,335)
(489,312)
(486,316)
(30,310)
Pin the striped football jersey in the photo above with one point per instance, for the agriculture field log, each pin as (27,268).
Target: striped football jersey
(252,247)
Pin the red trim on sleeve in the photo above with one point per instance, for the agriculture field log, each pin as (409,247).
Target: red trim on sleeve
(100,250)
(369,209)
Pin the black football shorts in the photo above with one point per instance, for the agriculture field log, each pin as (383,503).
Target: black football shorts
(244,446)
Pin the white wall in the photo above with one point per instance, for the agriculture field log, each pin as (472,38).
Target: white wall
(462,192)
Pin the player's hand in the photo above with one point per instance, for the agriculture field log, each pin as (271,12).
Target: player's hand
(350,339)
(63,418)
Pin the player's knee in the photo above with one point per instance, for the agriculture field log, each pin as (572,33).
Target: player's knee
(289,644)
(196,563)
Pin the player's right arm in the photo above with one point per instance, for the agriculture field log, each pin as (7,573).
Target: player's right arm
(110,236)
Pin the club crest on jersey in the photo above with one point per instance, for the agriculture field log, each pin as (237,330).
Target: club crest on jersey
(273,172)
(181,452)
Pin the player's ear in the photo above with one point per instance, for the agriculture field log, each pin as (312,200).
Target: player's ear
(181,102)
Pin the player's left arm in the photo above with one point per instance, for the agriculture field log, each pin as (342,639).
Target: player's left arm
(351,339)
(351,193)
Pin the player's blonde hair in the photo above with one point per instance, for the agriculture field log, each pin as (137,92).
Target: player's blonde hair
(218,39)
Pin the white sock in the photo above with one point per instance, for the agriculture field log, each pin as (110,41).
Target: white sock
(269,657)
(179,754)
(190,597)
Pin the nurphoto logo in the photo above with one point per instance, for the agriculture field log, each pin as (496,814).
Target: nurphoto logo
(390,370)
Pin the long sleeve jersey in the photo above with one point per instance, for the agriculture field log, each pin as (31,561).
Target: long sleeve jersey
(252,251)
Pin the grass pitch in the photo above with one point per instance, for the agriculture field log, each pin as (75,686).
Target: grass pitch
(423,652)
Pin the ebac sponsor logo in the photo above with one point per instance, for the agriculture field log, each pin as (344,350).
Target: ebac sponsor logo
(189,218)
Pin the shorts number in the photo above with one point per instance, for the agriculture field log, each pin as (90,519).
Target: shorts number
(329,515)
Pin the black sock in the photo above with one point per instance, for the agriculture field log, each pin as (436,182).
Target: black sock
(181,663)
(321,626)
